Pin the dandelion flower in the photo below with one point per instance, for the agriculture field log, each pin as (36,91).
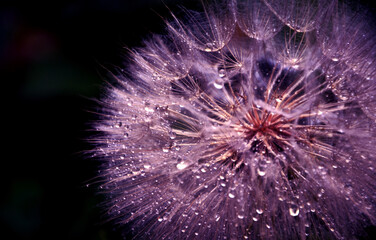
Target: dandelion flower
(253,119)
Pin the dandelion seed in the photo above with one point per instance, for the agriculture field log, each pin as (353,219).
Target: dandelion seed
(253,119)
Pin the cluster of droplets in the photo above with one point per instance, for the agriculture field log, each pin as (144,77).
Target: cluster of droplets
(252,119)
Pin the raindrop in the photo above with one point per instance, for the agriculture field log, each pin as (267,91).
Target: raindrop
(181,165)
(209,47)
(221,73)
(149,110)
(294,210)
(172,135)
(218,83)
(147,166)
(261,171)
(165,149)
(231,195)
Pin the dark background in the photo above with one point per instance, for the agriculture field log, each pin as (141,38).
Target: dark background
(50,67)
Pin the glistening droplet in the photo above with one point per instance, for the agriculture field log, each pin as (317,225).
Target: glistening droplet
(218,83)
(294,210)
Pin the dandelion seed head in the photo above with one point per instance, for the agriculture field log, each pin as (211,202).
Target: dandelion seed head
(251,119)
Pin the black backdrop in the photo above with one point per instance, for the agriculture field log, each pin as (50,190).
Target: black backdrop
(50,62)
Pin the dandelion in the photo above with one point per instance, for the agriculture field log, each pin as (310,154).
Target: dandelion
(253,119)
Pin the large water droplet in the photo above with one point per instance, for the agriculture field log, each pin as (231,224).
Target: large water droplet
(294,210)
(209,47)
(218,83)
(149,110)
(181,165)
(147,166)
(261,171)
(172,135)
(259,211)
(222,73)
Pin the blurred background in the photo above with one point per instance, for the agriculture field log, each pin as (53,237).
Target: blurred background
(50,68)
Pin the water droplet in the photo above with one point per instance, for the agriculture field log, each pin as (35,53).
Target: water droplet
(240,216)
(261,171)
(172,135)
(209,47)
(222,73)
(181,165)
(259,211)
(294,210)
(147,166)
(218,83)
(165,149)
(231,195)
(149,110)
